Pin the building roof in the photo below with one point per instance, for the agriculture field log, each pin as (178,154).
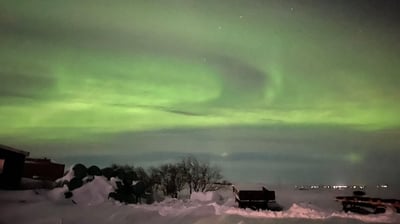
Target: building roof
(41,161)
(8,148)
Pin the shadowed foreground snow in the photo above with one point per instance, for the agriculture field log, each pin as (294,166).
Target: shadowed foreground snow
(92,207)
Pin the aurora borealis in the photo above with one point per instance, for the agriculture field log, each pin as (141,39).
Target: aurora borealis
(292,85)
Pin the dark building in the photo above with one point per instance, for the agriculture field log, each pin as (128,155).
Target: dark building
(11,166)
(43,169)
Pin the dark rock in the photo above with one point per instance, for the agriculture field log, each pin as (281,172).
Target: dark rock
(107,172)
(75,183)
(120,173)
(139,189)
(94,171)
(80,171)
(89,179)
(129,177)
(68,194)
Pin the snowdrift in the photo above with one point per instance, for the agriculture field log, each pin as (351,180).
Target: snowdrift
(92,206)
(94,192)
(210,196)
(67,177)
(91,193)
(301,211)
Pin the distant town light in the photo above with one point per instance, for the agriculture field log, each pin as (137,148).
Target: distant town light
(339,187)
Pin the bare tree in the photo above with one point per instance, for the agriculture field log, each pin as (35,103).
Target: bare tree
(199,176)
(209,176)
(190,168)
(169,178)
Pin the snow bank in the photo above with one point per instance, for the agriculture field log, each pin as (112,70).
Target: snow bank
(113,182)
(94,192)
(172,207)
(210,196)
(57,193)
(68,176)
(51,207)
(297,211)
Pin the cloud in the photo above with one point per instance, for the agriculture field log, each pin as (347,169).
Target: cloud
(28,82)
(280,152)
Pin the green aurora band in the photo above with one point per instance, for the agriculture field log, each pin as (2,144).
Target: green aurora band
(71,69)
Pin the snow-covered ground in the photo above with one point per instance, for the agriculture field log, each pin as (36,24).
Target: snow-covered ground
(92,207)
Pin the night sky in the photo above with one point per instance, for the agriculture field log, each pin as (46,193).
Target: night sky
(273,91)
